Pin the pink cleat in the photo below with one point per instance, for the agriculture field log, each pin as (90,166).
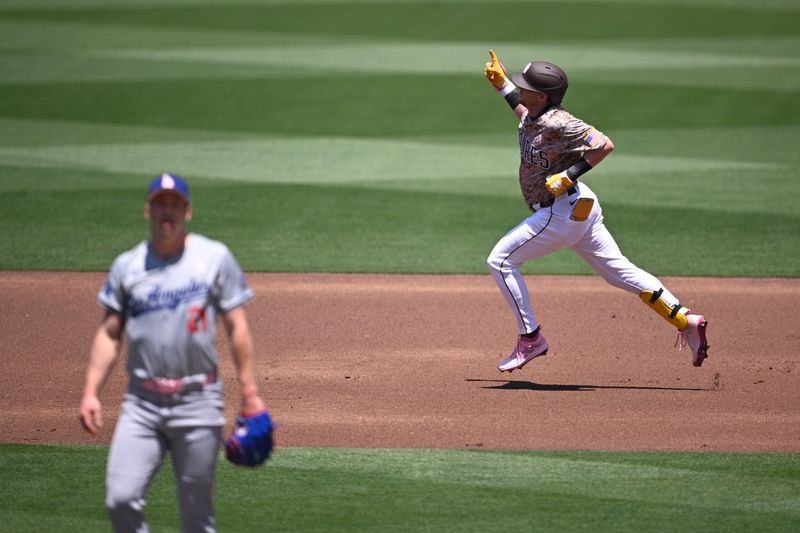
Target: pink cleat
(695,336)
(526,350)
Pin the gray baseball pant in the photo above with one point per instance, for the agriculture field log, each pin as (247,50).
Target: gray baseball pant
(144,434)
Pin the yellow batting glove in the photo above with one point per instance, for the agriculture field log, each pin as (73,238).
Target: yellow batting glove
(557,184)
(495,72)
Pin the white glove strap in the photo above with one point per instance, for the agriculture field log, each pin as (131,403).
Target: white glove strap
(507,88)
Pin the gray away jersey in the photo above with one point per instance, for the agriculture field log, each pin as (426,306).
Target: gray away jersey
(549,144)
(170,306)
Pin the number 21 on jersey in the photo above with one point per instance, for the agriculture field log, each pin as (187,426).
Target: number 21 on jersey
(197,319)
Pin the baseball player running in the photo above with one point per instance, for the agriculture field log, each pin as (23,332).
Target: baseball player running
(166,294)
(557,148)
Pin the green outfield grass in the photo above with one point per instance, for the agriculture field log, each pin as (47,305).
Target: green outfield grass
(360,136)
(60,488)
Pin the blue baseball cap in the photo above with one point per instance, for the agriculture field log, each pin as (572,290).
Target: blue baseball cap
(168,183)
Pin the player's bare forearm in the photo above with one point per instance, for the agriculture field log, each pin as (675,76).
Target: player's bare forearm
(104,351)
(243,355)
(102,356)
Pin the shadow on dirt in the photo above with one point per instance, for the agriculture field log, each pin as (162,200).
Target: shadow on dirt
(504,384)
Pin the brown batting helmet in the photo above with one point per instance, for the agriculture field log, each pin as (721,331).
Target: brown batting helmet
(543,77)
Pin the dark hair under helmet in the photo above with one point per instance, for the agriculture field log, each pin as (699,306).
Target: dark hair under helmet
(543,77)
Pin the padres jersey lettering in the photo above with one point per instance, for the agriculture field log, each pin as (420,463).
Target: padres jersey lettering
(551,143)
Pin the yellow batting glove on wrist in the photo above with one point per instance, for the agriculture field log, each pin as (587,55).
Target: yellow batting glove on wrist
(557,184)
(495,72)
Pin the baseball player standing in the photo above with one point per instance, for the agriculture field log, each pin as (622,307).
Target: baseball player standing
(166,294)
(556,148)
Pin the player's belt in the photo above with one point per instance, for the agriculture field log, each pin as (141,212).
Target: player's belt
(179,385)
(547,203)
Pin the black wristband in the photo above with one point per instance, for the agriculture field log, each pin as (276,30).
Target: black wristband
(578,169)
(513,98)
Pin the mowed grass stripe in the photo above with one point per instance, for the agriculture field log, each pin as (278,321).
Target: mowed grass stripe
(673,69)
(49,35)
(73,4)
(18,34)
(278,160)
(752,144)
(432,57)
(330,489)
(720,190)
(448,22)
(380,105)
(476,165)
(324,160)
(35,54)
(95,67)
(303,228)
(43,133)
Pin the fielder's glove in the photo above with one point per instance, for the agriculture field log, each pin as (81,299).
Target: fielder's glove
(496,72)
(557,184)
(251,442)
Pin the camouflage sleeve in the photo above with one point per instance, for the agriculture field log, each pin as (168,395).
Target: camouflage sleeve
(565,139)
(581,137)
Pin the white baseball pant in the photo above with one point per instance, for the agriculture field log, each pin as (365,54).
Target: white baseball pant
(548,230)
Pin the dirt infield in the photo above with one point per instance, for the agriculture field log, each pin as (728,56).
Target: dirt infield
(409,361)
